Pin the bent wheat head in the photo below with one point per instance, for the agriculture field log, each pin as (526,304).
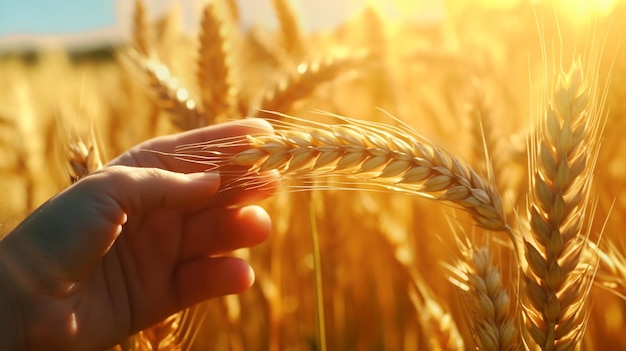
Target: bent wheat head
(361,153)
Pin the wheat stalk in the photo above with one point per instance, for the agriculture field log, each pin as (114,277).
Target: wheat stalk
(214,74)
(563,157)
(361,152)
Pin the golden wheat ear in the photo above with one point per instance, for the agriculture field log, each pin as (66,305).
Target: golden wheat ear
(175,333)
(83,155)
(436,321)
(290,32)
(165,335)
(361,153)
(492,315)
(140,29)
(214,66)
(83,159)
(555,307)
(303,79)
(168,92)
(611,274)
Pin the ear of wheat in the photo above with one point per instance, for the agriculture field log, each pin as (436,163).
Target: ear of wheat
(611,262)
(140,39)
(217,91)
(437,323)
(362,153)
(289,27)
(163,336)
(83,158)
(170,95)
(175,333)
(564,152)
(303,80)
(488,303)
(423,68)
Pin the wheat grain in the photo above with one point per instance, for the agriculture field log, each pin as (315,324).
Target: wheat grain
(556,292)
(366,152)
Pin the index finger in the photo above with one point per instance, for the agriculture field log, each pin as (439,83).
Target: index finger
(141,155)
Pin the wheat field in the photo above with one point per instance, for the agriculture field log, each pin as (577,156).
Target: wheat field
(448,184)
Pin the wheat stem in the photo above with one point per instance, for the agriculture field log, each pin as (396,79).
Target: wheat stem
(317,269)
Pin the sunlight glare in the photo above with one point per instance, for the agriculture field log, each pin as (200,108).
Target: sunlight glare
(411,10)
(583,10)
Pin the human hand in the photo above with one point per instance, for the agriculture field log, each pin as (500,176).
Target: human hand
(127,246)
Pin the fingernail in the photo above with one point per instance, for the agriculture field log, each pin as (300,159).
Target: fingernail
(259,123)
(204,176)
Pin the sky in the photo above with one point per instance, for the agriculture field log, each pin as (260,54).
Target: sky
(84,23)
(53,17)
(79,22)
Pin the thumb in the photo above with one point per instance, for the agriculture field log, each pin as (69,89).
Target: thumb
(139,190)
(70,233)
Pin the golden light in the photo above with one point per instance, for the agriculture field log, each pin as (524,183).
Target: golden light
(412,10)
(584,10)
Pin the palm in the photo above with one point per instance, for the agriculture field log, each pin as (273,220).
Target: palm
(88,297)
(137,281)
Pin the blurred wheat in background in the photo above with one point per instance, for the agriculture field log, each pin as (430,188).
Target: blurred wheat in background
(508,114)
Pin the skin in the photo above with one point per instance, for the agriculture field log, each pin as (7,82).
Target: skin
(127,246)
